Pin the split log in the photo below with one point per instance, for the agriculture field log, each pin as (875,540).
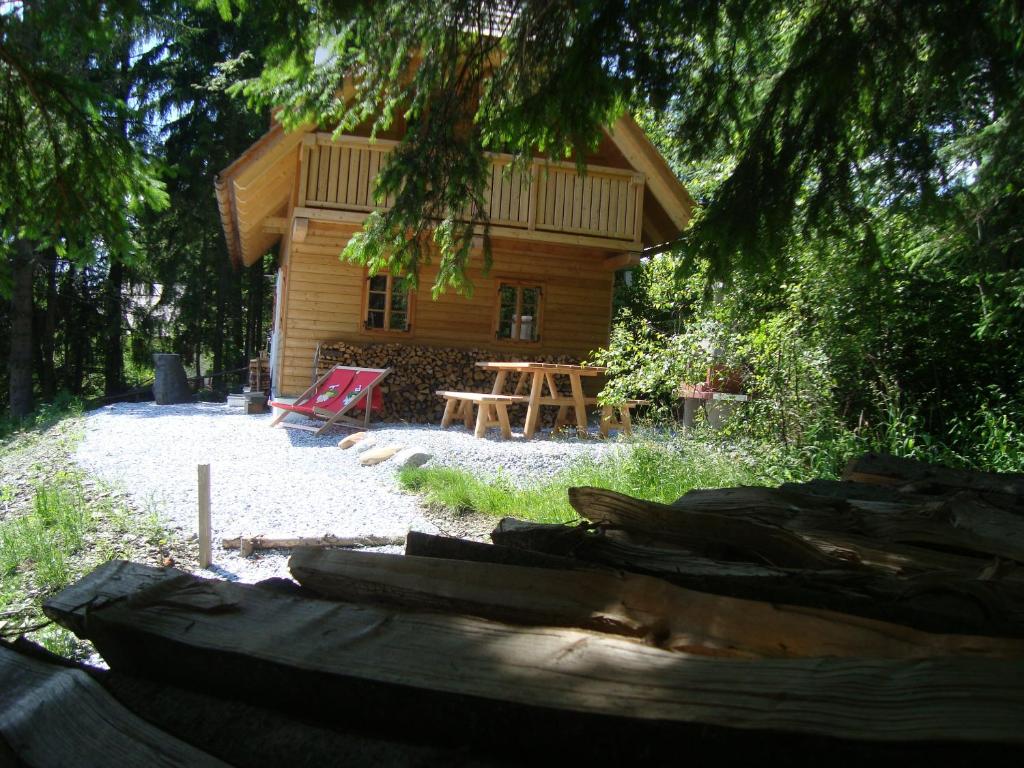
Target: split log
(54,715)
(438,671)
(661,614)
(250,735)
(718,536)
(766,525)
(960,522)
(243,734)
(848,489)
(247,544)
(448,547)
(943,603)
(921,477)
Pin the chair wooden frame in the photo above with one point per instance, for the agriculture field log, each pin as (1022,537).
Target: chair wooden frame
(331,418)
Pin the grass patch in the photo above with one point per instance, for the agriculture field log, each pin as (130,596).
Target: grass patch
(43,540)
(56,526)
(646,469)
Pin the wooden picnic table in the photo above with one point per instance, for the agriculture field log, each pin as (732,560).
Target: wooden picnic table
(534,377)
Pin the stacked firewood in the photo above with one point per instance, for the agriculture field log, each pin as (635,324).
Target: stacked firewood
(881,617)
(419,371)
(259,374)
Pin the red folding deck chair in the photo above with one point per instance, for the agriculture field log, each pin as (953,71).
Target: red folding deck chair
(340,391)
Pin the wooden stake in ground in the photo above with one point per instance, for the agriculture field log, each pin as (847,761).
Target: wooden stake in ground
(205,551)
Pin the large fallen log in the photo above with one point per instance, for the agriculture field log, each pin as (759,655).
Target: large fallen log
(921,477)
(52,715)
(962,522)
(343,661)
(660,613)
(763,525)
(934,602)
(243,734)
(420,544)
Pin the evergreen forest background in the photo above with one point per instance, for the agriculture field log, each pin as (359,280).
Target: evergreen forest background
(858,252)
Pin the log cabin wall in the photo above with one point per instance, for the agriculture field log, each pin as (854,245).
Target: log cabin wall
(325,301)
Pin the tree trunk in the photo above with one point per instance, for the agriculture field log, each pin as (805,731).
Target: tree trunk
(237,356)
(113,349)
(75,345)
(19,363)
(47,341)
(220,327)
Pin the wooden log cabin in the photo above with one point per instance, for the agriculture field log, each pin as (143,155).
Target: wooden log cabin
(558,238)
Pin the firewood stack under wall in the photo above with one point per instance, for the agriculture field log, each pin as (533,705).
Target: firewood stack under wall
(419,371)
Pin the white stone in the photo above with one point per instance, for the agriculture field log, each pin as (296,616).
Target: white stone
(412,457)
(348,442)
(377,455)
(365,444)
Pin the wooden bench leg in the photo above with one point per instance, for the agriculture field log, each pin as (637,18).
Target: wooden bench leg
(506,428)
(606,420)
(625,419)
(451,406)
(581,407)
(483,416)
(467,413)
(560,420)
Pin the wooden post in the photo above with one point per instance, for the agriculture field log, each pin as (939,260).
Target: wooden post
(205,553)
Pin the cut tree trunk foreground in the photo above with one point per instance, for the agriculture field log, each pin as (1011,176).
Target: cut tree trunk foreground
(845,622)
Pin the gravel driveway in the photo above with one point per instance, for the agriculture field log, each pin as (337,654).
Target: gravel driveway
(282,482)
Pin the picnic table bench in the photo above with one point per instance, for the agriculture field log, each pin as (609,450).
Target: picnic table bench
(492,408)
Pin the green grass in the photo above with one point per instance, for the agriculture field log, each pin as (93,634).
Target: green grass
(645,469)
(43,540)
(45,415)
(61,532)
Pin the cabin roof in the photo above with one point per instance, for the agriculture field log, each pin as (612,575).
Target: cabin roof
(254,192)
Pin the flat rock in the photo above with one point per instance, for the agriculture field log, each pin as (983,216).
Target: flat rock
(365,444)
(412,457)
(348,442)
(377,455)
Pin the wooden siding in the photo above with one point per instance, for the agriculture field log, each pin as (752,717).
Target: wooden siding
(324,302)
(606,203)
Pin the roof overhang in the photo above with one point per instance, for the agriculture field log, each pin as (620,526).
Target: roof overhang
(665,187)
(254,193)
(255,188)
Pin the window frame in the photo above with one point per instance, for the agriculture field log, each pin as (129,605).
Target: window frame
(538,321)
(364,325)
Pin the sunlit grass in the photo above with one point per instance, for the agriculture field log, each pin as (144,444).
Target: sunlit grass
(43,540)
(65,527)
(646,469)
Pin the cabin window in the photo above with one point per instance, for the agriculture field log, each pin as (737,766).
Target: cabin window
(519,312)
(388,303)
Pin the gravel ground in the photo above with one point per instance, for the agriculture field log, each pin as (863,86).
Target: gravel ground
(282,482)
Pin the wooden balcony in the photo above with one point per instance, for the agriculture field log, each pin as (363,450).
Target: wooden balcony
(549,201)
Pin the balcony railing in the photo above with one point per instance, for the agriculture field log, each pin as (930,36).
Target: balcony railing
(605,204)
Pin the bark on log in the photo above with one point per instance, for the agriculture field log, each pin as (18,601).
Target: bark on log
(786,530)
(920,477)
(661,614)
(53,715)
(338,660)
(945,603)
(963,521)
(718,536)
(248,735)
(428,545)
